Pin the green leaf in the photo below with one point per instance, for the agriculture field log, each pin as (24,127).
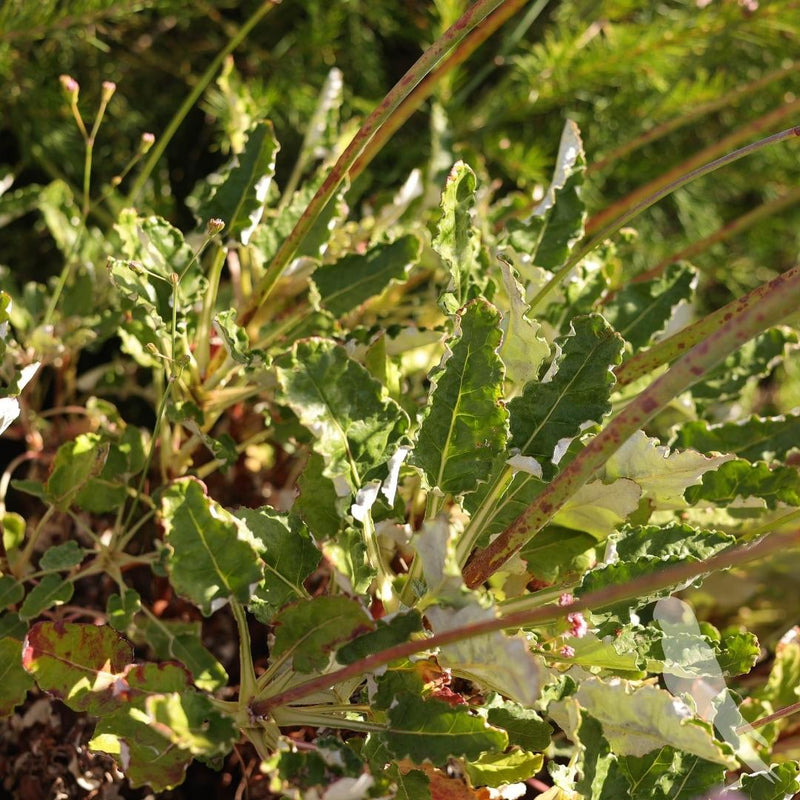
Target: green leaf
(663,476)
(638,311)
(62,556)
(457,240)
(356,428)
(498,769)
(121,609)
(316,503)
(637,721)
(347,553)
(673,541)
(556,224)
(242,194)
(495,662)
(600,508)
(753,439)
(555,554)
(740,478)
(754,360)
(183,641)
(525,728)
(289,556)
(191,721)
(311,630)
(464,426)
(669,774)
(354,279)
(554,409)
(11,591)
(52,590)
(433,730)
(388,633)
(411,785)
(77,663)
(780,782)
(14,680)
(236,340)
(13,626)
(76,462)
(213,556)
(780,688)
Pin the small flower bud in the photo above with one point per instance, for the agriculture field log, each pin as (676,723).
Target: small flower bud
(214,226)
(147,141)
(151,348)
(109,87)
(116,180)
(70,86)
(577,624)
(566,599)
(566,651)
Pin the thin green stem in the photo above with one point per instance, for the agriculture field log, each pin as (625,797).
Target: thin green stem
(670,576)
(202,353)
(629,213)
(19,565)
(193,96)
(471,18)
(781,713)
(755,313)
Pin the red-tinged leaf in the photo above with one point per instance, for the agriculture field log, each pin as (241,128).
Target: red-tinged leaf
(14,681)
(77,663)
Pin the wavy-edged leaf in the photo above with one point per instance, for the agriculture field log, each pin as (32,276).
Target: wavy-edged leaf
(212,554)
(523,348)
(663,475)
(235,339)
(555,408)
(289,556)
(741,479)
(457,240)
(14,680)
(62,556)
(242,194)
(355,278)
(356,428)
(780,782)
(52,590)
(636,721)
(312,629)
(638,311)
(495,662)
(464,426)
(754,439)
(672,541)
(556,554)
(557,221)
(599,508)
(754,360)
(433,730)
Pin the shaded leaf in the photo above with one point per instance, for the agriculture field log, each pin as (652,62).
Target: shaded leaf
(525,728)
(11,591)
(638,311)
(76,462)
(316,503)
(62,556)
(121,609)
(464,426)
(14,680)
(311,630)
(388,633)
(212,555)
(242,194)
(354,279)
(669,774)
(52,590)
